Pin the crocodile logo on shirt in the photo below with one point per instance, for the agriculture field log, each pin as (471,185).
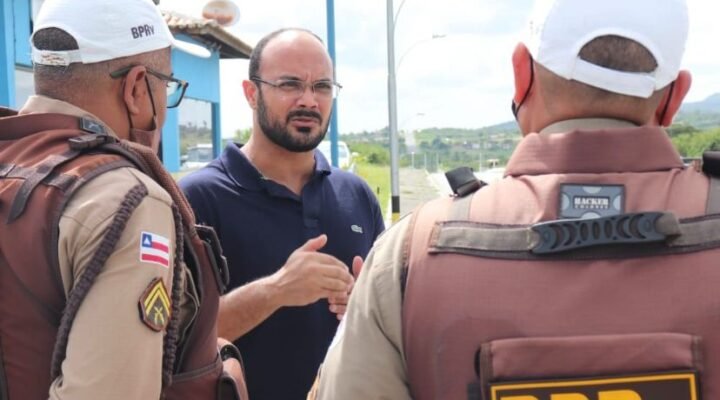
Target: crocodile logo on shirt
(356,228)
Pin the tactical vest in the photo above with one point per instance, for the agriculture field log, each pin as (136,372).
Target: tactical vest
(622,307)
(44,159)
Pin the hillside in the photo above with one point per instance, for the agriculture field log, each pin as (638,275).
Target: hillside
(695,128)
(710,104)
(701,115)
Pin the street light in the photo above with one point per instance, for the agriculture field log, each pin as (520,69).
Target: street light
(392,113)
(410,118)
(433,37)
(392,105)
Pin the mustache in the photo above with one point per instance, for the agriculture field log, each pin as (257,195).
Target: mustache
(304,114)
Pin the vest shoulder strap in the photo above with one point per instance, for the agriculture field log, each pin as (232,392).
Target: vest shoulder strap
(82,134)
(643,234)
(713,202)
(464,184)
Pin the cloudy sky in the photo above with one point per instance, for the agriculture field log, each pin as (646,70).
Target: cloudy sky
(461,79)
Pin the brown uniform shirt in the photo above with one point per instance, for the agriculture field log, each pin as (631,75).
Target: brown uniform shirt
(111,354)
(366,360)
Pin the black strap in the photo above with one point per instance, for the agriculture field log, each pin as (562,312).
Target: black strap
(463,182)
(711,163)
(711,167)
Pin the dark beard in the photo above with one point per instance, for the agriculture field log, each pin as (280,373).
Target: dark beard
(280,135)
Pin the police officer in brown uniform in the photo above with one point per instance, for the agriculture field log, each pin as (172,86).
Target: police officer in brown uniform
(107,288)
(589,272)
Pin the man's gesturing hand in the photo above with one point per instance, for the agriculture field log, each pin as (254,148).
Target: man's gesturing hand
(338,304)
(309,276)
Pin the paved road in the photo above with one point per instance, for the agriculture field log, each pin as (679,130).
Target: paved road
(417,186)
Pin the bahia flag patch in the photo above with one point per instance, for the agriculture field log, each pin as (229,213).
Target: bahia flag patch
(154,249)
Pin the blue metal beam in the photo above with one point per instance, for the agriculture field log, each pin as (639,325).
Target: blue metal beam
(7,54)
(331,50)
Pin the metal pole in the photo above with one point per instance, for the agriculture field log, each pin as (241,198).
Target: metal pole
(392,114)
(7,55)
(331,49)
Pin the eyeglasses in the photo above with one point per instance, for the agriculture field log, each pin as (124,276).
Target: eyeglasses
(325,89)
(175,88)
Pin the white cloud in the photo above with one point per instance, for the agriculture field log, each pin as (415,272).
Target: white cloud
(702,56)
(461,80)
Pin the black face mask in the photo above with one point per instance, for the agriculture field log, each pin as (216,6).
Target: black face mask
(516,107)
(667,103)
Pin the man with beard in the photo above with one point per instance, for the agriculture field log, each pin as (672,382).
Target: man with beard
(292,227)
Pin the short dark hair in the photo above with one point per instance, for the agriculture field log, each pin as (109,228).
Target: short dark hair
(618,53)
(54,39)
(610,51)
(51,80)
(256,55)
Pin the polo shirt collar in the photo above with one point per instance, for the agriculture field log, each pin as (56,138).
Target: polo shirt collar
(322,166)
(245,175)
(594,146)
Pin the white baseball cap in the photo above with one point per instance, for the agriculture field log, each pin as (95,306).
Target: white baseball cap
(106,30)
(560,28)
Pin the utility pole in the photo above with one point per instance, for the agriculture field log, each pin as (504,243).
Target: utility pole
(392,114)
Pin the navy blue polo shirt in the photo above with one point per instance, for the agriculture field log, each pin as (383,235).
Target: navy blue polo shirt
(261,222)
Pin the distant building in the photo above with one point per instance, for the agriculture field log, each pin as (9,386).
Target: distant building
(197,120)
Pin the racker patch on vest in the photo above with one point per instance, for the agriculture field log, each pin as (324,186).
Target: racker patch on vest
(591,201)
(154,306)
(680,385)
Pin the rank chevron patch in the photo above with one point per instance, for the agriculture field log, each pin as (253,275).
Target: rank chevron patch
(154,306)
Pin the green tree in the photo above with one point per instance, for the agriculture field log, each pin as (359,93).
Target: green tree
(242,135)
(694,144)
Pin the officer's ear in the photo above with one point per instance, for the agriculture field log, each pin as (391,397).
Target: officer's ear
(673,98)
(522,70)
(135,90)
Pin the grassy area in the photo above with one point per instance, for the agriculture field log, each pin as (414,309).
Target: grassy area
(378,178)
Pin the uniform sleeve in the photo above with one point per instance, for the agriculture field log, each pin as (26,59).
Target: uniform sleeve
(366,359)
(111,352)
